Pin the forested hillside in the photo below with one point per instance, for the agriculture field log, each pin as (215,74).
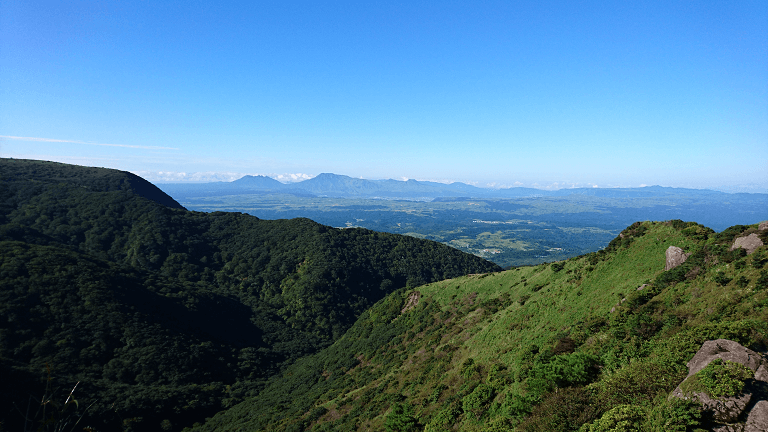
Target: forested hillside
(166,316)
(594,343)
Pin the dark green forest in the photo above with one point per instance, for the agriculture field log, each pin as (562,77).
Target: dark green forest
(166,316)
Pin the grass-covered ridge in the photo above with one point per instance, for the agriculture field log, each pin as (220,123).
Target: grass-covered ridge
(563,346)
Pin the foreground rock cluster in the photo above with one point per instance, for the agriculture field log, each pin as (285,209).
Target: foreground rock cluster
(744,412)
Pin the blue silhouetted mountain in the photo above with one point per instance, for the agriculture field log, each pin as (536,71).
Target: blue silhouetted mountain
(342,186)
(258,182)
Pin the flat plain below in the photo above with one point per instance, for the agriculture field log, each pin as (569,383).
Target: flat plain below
(510,232)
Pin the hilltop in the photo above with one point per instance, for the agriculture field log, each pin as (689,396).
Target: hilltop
(167,314)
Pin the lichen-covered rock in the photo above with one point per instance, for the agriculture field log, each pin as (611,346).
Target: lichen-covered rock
(758,418)
(730,412)
(726,350)
(763,226)
(761,374)
(675,257)
(725,410)
(749,243)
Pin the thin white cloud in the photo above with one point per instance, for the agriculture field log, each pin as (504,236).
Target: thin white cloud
(36,139)
(213,176)
(185,177)
(291,178)
(443,180)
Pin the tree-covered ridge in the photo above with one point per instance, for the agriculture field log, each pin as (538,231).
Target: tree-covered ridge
(584,344)
(171,314)
(21,179)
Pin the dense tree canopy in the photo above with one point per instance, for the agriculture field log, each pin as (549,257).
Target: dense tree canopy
(167,314)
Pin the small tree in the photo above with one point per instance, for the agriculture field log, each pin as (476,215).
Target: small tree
(400,419)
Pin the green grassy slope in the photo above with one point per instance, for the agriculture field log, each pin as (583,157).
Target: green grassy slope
(170,314)
(531,349)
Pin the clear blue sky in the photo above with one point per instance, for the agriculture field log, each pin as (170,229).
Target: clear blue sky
(485,92)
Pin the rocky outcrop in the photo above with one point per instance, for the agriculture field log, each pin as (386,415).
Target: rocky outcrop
(758,418)
(725,410)
(749,243)
(675,257)
(411,302)
(747,411)
(729,428)
(725,350)
(763,226)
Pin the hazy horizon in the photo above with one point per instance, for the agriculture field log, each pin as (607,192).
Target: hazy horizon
(534,94)
(203,178)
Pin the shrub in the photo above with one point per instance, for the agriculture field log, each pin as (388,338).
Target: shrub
(730,233)
(562,371)
(719,379)
(565,345)
(722,279)
(514,406)
(638,382)
(498,376)
(469,368)
(623,418)
(762,280)
(677,224)
(500,424)
(673,415)
(564,410)
(434,397)
(443,420)
(478,401)
(759,259)
(400,419)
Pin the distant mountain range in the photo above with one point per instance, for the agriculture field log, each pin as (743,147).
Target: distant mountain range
(341,186)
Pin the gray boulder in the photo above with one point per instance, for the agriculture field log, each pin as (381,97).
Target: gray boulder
(725,410)
(749,243)
(762,373)
(758,418)
(724,349)
(675,257)
(738,427)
